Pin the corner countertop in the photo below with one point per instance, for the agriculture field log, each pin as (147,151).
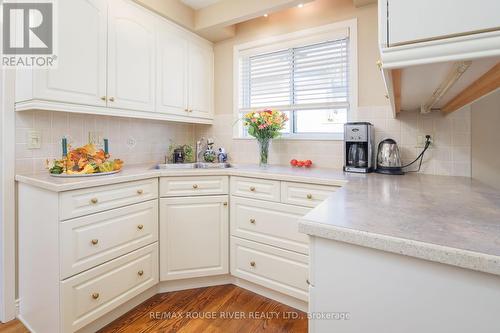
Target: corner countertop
(450,220)
(138,172)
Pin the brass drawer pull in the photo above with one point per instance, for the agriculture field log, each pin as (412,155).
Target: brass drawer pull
(309,196)
(195,186)
(95,295)
(225,203)
(252,263)
(94,201)
(140,192)
(140,273)
(94,241)
(252,188)
(307,281)
(252,221)
(111,99)
(103,98)
(140,227)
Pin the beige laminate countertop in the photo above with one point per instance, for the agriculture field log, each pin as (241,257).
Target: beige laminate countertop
(450,220)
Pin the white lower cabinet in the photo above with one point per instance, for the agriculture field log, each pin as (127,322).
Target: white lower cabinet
(95,292)
(275,268)
(194,235)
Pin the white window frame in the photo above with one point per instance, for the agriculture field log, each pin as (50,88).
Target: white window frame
(295,39)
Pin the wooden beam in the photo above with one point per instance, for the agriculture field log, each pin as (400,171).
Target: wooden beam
(396,87)
(487,83)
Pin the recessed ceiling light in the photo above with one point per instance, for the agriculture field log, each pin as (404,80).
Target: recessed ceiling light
(266,15)
(300,5)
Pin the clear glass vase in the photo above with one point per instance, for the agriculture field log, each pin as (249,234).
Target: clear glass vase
(263,151)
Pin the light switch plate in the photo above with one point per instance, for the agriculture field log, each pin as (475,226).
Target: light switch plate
(34,139)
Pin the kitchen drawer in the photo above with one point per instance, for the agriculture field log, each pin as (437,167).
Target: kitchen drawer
(271,267)
(305,194)
(196,185)
(94,239)
(97,199)
(91,294)
(269,222)
(256,188)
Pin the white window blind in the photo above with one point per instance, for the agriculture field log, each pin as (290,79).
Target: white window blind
(311,82)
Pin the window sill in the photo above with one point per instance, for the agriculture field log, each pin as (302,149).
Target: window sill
(339,137)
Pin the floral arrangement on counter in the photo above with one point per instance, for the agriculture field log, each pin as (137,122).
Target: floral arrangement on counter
(84,160)
(265,125)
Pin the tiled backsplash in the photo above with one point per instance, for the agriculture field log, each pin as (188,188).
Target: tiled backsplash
(449,155)
(132,140)
(146,141)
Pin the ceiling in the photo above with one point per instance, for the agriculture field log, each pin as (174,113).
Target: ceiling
(198,4)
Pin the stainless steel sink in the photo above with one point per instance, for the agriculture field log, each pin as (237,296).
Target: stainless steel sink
(197,165)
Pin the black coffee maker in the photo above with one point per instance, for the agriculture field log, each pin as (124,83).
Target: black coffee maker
(359,156)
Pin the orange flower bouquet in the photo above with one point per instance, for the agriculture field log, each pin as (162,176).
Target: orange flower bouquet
(265,125)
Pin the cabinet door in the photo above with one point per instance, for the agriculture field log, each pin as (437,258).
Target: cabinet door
(172,62)
(194,237)
(131,69)
(200,80)
(80,76)
(422,20)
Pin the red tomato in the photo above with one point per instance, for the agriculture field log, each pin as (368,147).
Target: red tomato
(308,163)
(300,163)
(293,162)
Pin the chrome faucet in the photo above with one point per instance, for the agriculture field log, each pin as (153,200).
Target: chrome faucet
(199,149)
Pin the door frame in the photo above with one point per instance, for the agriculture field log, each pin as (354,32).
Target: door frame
(8,308)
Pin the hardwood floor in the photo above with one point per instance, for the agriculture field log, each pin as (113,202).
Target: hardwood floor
(13,326)
(224,308)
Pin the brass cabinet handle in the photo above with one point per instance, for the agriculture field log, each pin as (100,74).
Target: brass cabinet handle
(379,64)
(140,273)
(94,200)
(252,188)
(225,203)
(309,196)
(95,295)
(252,263)
(386,96)
(307,281)
(140,192)
(111,99)
(252,221)
(103,98)
(94,241)
(140,227)
(187,110)
(195,186)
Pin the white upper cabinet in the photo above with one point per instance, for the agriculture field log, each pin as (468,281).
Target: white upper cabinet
(200,79)
(428,31)
(440,19)
(172,50)
(117,58)
(185,74)
(131,70)
(80,76)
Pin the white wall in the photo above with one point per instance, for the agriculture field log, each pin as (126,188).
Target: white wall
(485,119)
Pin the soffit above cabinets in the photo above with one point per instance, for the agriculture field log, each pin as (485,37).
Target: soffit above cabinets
(198,4)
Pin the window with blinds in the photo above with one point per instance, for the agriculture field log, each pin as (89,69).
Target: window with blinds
(310,82)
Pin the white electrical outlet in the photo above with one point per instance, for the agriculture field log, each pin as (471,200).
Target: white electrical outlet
(131,142)
(34,139)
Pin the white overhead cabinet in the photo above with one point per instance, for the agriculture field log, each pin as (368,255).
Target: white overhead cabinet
(131,57)
(80,76)
(427,31)
(117,58)
(185,74)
